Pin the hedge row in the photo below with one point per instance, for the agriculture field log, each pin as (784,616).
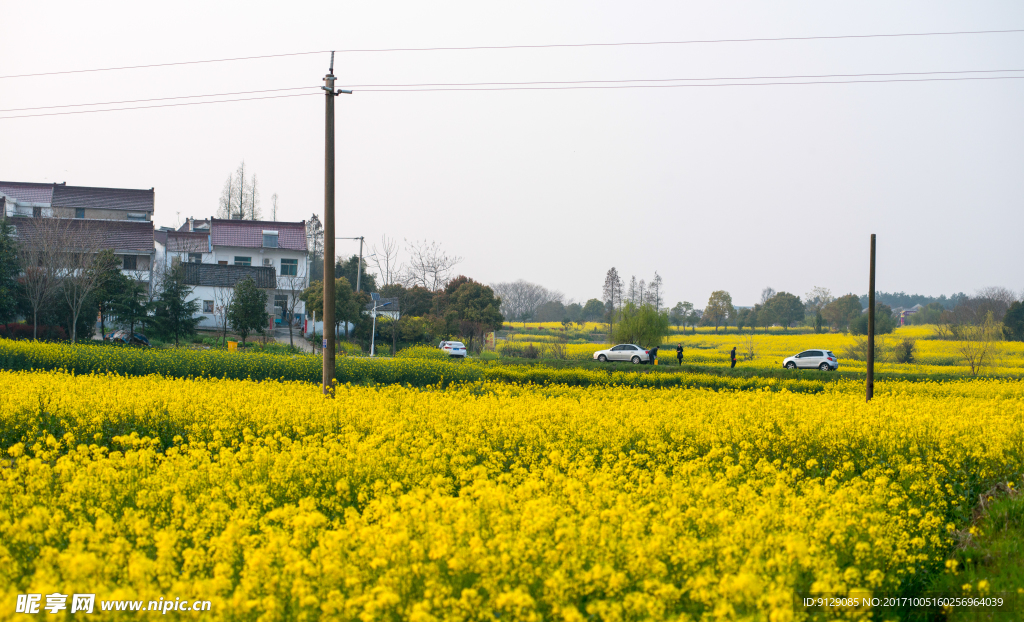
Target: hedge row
(88,358)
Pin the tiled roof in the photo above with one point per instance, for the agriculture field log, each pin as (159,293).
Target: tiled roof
(28,192)
(103,198)
(216,275)
(249,233)
(120,235)
(188,242)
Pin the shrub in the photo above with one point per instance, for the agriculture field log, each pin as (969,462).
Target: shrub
(421,352)
(904,351)
(46,332)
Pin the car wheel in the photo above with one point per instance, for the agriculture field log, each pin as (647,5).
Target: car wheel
(636,360)
(791,365)
(602,358)
(824,367)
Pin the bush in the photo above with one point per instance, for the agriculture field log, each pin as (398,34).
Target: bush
(904,351)
(421,352)
(46,332)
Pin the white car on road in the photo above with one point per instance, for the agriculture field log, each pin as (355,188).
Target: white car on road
(453,348)
(813,359)
(624,352)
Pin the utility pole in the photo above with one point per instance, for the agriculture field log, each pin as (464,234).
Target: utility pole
(359,267)
(871,324)
(329,335)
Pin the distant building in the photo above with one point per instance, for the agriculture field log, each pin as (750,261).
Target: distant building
(119,219)
(212,285)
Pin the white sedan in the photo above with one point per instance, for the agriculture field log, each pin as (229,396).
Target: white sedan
(454,348)
(624,352)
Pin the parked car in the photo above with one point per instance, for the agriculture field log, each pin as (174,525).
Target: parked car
(624,352)
(128,338)
(813,359)
(453,348)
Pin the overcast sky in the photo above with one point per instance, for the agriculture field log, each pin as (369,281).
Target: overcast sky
(730,187)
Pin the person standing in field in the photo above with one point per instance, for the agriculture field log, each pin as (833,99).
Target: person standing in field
(732,356)
(653,355)
(679,353)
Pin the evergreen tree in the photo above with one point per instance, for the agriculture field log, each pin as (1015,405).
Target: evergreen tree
(248,310)
(8,273)
(174,314)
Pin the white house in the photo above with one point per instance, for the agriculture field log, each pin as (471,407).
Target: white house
(212,285)
(247,244)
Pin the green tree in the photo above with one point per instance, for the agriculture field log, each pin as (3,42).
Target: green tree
(642,325)
(841,311)
(742,318)
(785,309)
(345,304)
(719,309)
(174,315)
(248,310)
(129,305)
(679,313)
(1013,322)
(348,270)
(8,272)
(469,309)
(819,321)
(884,322)
(593,311)
(109,285)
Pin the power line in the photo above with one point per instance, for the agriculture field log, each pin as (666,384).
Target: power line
(567,86)
(549,82)
(134,101)
(516,47)
(836,75)
(221,101)
(663,86)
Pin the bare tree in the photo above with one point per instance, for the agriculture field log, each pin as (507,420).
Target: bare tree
(385,261)
(520,299)
(222,299)
(631,291)
(79,274)
(273,206)
(767,294)
(977,342)
(653,296)
(429,266)
(817,299)
(41,241)
(240,198)
(292,286)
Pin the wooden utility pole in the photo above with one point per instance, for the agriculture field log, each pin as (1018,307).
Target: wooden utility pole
(870,389)
(329,335)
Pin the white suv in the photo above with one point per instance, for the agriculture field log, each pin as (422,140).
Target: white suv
(813,359)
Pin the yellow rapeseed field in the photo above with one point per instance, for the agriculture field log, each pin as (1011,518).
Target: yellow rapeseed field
(489,501)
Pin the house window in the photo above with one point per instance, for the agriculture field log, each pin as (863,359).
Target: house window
(79,212)
(243,261)
(37,212)
(281,300)
(270,239)
(130,261)
(137,216)
(195,258)
(289,267)
(207,306)
(222,262)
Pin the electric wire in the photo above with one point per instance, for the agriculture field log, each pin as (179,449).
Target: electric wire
(220,101)
(522,87)
(134,101)
(834,75)
(515,47)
